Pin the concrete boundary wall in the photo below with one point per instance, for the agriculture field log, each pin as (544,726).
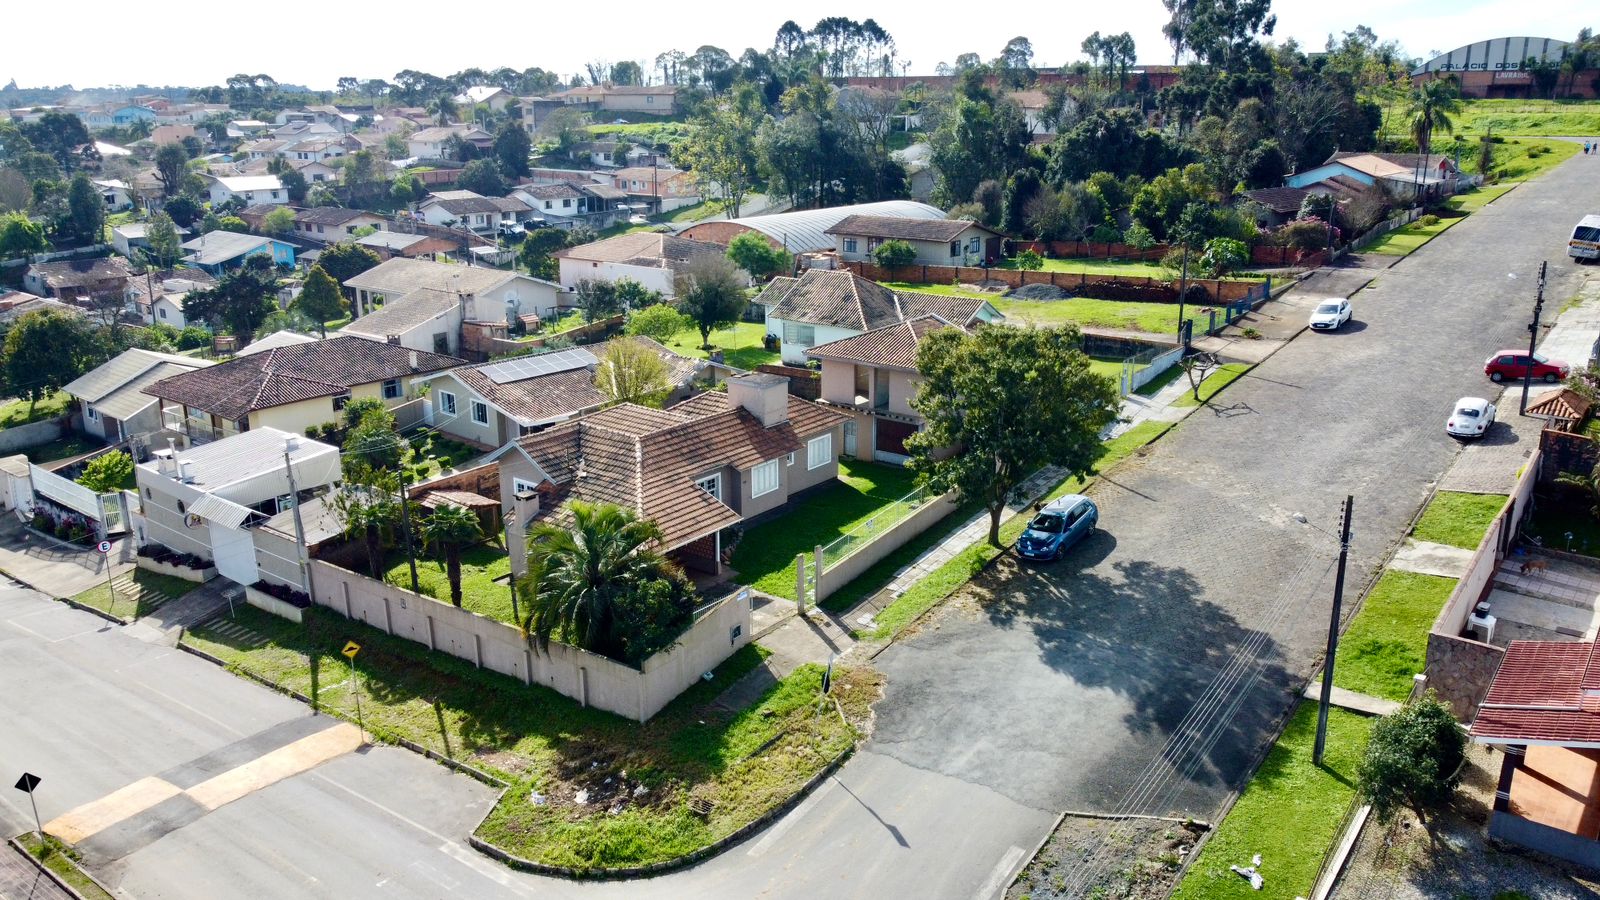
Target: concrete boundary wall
(898,535)
(593,680)
(1461,668)
(15,440)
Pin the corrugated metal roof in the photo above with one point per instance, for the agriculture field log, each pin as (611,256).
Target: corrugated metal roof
(806,229)
(215,509)
(122,369)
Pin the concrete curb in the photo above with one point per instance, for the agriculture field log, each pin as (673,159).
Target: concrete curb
(1347,846)
(60,882)
(115,620)
(671,865)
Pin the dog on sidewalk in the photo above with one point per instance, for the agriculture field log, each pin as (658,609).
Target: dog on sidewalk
(1534,565)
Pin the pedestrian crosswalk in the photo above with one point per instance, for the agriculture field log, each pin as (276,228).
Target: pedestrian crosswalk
(232,632)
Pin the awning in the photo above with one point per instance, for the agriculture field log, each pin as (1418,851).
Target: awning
(218,511)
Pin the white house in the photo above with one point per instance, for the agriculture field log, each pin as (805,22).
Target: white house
(249,189)
(117,195)
(938,242)
(430,142)
(111,401)
(495,97)
(465,209)
(424,305)
(652,259)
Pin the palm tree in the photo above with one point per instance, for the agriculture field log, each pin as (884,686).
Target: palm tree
(444,108)
(1433,106)
(580,576)
(452,528)
(369,512)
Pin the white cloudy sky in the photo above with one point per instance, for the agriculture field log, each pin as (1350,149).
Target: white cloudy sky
(100,42)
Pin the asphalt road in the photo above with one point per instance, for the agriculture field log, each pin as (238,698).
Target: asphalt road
(1043,690)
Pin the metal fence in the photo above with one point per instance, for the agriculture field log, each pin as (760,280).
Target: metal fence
(1221,316)
(1146,366)
(871,529)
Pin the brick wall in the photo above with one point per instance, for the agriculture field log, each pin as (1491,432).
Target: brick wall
(483,480)
(803,383)
(718,232)
(1108,287)
(1561,451)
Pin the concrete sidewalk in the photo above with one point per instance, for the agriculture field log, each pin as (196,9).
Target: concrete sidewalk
(56,567)
(20,879)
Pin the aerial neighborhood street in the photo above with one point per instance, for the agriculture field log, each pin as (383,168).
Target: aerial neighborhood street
(807,473)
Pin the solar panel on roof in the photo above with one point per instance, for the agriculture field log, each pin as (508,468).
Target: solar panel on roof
(525,367)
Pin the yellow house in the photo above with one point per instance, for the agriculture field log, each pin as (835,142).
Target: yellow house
(292,387)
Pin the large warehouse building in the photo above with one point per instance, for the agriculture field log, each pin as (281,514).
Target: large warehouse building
(1499,68)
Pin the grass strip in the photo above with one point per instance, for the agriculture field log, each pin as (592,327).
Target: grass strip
(1289,813)
(1214,383)
(639,779)
(64,862)
(150,591)
(1458,519)
(1387,642)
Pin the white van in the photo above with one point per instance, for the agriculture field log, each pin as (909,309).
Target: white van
(1585,241)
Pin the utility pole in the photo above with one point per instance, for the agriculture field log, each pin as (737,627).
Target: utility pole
(405,519)
(1533,338)
(1333,632)
(1183,289)
(511,582)
(299,524)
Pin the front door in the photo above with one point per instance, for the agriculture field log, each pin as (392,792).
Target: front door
(850,439)
(891,438)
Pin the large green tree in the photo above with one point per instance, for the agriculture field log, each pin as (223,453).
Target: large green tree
(20,236)
(482,176)
(165,245)
(721,151)
(1432,107)
(172,163)
(1011,401)
(511,147)
(1413,760)
(449,530)
(600,584)
(88,210)
(753,252)
(320,299)
(710,292)
(241,301)
(369,508)
(537,247)
(346,260)
(45,350)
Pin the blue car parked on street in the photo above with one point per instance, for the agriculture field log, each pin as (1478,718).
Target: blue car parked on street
(1056,527)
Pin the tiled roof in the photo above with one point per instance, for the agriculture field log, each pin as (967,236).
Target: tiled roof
(1408,161)
(892,346)
(842,299)
(72,273)
(290,374)
(659,251)
(563,190)
(398,277)
(1545,692)
(461,206)
(1279,199)
(1562,404)
(400,315)
(903,229)
(535,400)
(647,459)
(328,215)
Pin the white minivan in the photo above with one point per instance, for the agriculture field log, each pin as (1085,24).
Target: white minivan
(1585,240)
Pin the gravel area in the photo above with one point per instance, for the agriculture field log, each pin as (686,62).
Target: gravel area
(1139,862)
(1038,292)
(1397,863)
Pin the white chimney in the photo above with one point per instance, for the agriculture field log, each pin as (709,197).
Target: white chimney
(292,443)
(164,462)
(186,471)
(415,361)
(763,395)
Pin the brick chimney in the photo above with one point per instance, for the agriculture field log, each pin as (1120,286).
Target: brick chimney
(763,395)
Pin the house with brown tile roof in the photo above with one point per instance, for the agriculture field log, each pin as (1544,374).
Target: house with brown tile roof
(291,387)
(695,469)
(1543,712)
(491,404)
(81,280)
(873,376)
(826,305)
(938,242)
(647,257)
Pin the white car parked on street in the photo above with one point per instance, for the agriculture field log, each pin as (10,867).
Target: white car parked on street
(1330,314)
(1472,417)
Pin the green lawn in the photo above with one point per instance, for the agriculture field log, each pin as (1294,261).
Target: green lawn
(63,861)
(741,345)
(73,444)
(1118,315)
(22,412)
(1458,519)
(151,590)
(1387,642)
(1214,383)
(1401,241)
(480,566)
(943,581)
(1110,368)
(1565,514)
(1522,159)
(1126,268)
(765,556)
(1477,199)
(572,318)
(1154,385)
(336,324)
(742,763)
(433,453)
(1550,118)
(1289,813)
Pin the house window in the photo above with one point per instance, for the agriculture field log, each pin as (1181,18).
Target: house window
(92,413)
(320,229)
(163,312)
(819,451)
(872,244)
(791,457)
(799,335)
(391,389)
(181,508)
(522,486)
(974,244)
(549,204)
(649,100)
(566,203)
(764,478)
(480,412)
(955,248)
(274,195)
(849,245)
(711,484)
(447,403)
(340,401)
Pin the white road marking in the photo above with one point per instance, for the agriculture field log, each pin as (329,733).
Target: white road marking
(999,875)
(776,832)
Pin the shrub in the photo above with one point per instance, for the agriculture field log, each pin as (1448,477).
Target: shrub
(893,254)
(661,322)
(1030,260)
(1224,255)
(1105,234)
(1138,237)
(105,474)
(1302,234)
(193,337)
(1428,220)
(297,599)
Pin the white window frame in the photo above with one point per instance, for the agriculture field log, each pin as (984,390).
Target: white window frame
(447,403)
(477,405)
(711,484)
(799,335)
(819,451)
(849,245)
(91,412)
(791,457)
(398,390)
(518,485)
(764,479)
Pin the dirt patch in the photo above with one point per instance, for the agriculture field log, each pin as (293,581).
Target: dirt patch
(1134,859)
(1399,861)
(1038,292)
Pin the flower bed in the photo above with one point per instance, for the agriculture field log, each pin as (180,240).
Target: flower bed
(166,561)
(281,601)
(67,526)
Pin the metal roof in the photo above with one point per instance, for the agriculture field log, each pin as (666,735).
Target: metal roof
(806,229)
(125,369)
(1496,55)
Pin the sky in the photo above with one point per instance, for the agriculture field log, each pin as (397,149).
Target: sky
(184,46)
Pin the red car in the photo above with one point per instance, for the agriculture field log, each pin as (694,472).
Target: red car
(1514,364)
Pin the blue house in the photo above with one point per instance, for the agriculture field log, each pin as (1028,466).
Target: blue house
(218,251)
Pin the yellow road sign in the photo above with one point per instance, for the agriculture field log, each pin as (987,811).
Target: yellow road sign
(351,648)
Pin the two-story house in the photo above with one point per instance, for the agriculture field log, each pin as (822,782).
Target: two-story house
(567,204)
(101,280)
(938,242)
(873,377)
(826,305)
(475,212)
(425,305)
(695,469)
(650,258)
(291,387)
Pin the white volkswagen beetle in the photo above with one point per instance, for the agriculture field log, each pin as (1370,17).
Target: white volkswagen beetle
(1471,418)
